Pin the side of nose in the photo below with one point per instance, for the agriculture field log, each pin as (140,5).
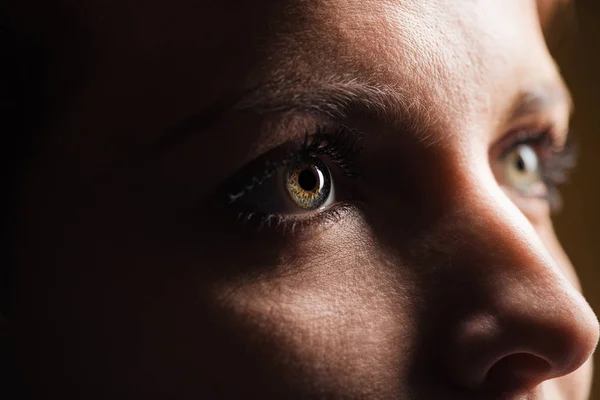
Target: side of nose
(515,320)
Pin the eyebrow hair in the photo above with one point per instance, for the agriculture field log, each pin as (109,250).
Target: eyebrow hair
(338,97)
(334,97)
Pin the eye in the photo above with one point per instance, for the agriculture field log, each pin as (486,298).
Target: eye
(533,166)
(295,182)
(308,183)
(522,170)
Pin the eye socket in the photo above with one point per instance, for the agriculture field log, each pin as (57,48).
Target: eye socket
(308,184)
(522,170)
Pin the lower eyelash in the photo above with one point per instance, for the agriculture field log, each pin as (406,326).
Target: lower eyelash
(293,224)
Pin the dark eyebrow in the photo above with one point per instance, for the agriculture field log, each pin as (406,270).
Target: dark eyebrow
(540,100)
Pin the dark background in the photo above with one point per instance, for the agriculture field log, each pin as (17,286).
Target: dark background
(575,43)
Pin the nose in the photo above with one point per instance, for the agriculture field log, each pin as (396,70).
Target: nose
(515,319)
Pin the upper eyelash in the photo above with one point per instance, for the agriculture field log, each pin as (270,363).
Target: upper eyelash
(340,146)
(556,171)
(560,163)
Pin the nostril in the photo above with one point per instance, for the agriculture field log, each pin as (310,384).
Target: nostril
(518,370)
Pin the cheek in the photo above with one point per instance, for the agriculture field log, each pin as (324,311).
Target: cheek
(324,322)
(576,385)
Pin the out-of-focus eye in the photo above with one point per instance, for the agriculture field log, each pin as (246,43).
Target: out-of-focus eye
(522,170)
(308,183)
(533,165)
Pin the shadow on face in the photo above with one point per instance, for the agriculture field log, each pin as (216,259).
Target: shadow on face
(298,199)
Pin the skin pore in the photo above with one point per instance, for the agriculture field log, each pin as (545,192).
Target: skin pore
(435,278)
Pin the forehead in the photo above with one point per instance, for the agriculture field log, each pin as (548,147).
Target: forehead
(450,60)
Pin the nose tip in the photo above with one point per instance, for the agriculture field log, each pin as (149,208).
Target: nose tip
(520,350)
(546,350)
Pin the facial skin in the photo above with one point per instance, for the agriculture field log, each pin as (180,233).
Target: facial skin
(136,281)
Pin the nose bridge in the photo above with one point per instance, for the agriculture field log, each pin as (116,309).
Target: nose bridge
(498,247)
(495,236)
(509,298)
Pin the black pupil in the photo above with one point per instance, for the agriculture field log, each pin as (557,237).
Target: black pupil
(521,164)
(308,180)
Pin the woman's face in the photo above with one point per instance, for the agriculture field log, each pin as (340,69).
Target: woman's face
(301,198)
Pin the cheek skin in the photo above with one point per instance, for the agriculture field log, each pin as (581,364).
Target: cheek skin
(334,324)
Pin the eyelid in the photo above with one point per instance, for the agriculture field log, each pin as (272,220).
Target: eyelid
(547,138)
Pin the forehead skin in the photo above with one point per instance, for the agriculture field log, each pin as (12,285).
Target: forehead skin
(446,66)
(134,282)
(122,47)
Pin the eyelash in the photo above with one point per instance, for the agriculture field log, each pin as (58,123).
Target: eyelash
(341,148)
(556,162)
